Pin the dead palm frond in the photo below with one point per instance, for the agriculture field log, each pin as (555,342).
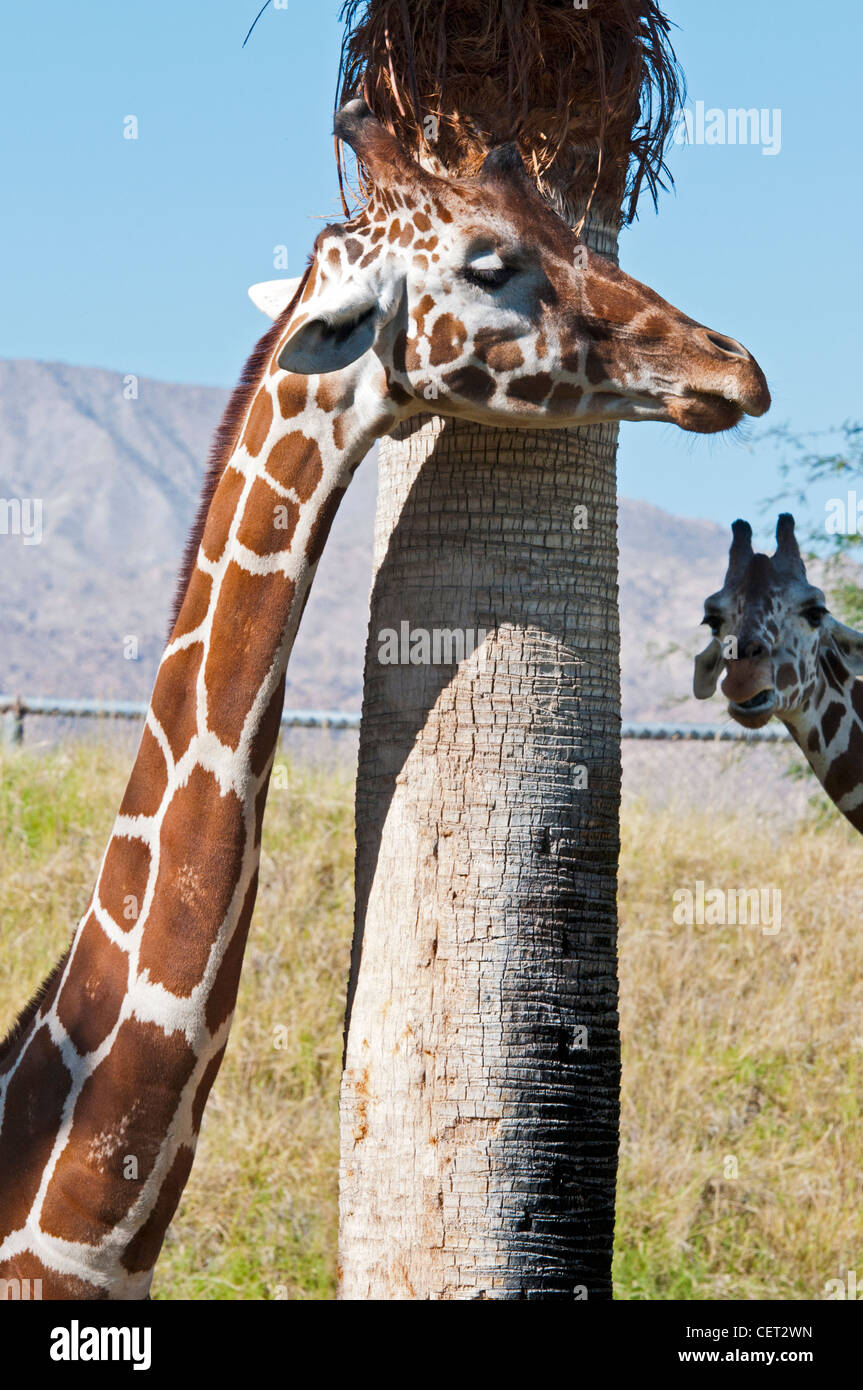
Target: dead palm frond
(590,94)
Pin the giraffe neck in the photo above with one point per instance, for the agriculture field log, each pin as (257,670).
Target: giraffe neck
(829,731)
(103,1088)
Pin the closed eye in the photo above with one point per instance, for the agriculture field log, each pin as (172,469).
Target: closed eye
(489,279)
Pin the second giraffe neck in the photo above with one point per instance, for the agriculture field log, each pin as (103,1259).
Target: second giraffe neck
(829,731)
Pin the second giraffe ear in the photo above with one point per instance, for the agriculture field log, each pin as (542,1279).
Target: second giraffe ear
(848,641)
(708,664)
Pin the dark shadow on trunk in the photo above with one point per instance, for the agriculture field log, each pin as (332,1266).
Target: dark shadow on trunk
(555,995)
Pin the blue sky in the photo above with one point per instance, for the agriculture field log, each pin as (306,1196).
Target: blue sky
(136,254)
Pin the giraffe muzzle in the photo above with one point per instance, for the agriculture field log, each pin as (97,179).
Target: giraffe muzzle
(728,384)
(753,391)
(748,687)
(742,382)
(755,712)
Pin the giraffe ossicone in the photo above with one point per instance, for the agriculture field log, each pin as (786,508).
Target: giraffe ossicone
(785,656)
(468,298)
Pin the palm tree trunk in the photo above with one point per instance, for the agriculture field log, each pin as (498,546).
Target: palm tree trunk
(480,1091)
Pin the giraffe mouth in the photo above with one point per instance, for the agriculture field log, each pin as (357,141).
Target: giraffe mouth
(754,712)
(705,412)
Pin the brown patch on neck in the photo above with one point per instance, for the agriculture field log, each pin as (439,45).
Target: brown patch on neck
(843,775)
(123,880)
(174,701)
(144,1247)
(227,438)
(196,604)
(91,999)
(204,1085)
(20,1028)
(835,673)
(831,720)
(295,462)
(321,525)
(259,422)
(246,637)
(125,1107)
(54,1286)
(293,393)
(223,993)
(34,1106)
(195,887)
(269,521)
(330,393)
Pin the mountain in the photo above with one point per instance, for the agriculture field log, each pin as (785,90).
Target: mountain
(118,480)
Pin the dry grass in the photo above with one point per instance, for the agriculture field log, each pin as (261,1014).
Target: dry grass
(736,1045)
(745,1047)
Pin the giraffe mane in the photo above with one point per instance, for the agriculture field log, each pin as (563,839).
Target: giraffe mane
(30,1010)
(226,437)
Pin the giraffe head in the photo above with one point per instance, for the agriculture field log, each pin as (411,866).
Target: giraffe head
(773,634)
(472,298)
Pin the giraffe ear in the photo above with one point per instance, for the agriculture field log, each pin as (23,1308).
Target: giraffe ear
(504,164)
(341,323)
(708,664)
(332,338)
(272,297)
(848,641)
(373,145)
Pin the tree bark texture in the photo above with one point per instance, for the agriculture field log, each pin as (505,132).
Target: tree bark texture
(480,1094)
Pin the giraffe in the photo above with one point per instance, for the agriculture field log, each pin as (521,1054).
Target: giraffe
(466,298)
(794,660)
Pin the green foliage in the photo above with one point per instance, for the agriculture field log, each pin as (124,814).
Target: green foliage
(824,811)
(805,468)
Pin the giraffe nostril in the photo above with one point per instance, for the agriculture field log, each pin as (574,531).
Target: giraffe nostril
(728,345)
(753,650)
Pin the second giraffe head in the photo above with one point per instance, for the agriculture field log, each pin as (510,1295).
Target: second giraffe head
(782,651)
(472,298)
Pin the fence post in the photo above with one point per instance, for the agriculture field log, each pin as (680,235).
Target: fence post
(12,725)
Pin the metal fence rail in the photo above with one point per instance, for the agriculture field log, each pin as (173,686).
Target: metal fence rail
(708,733)
(14,709)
